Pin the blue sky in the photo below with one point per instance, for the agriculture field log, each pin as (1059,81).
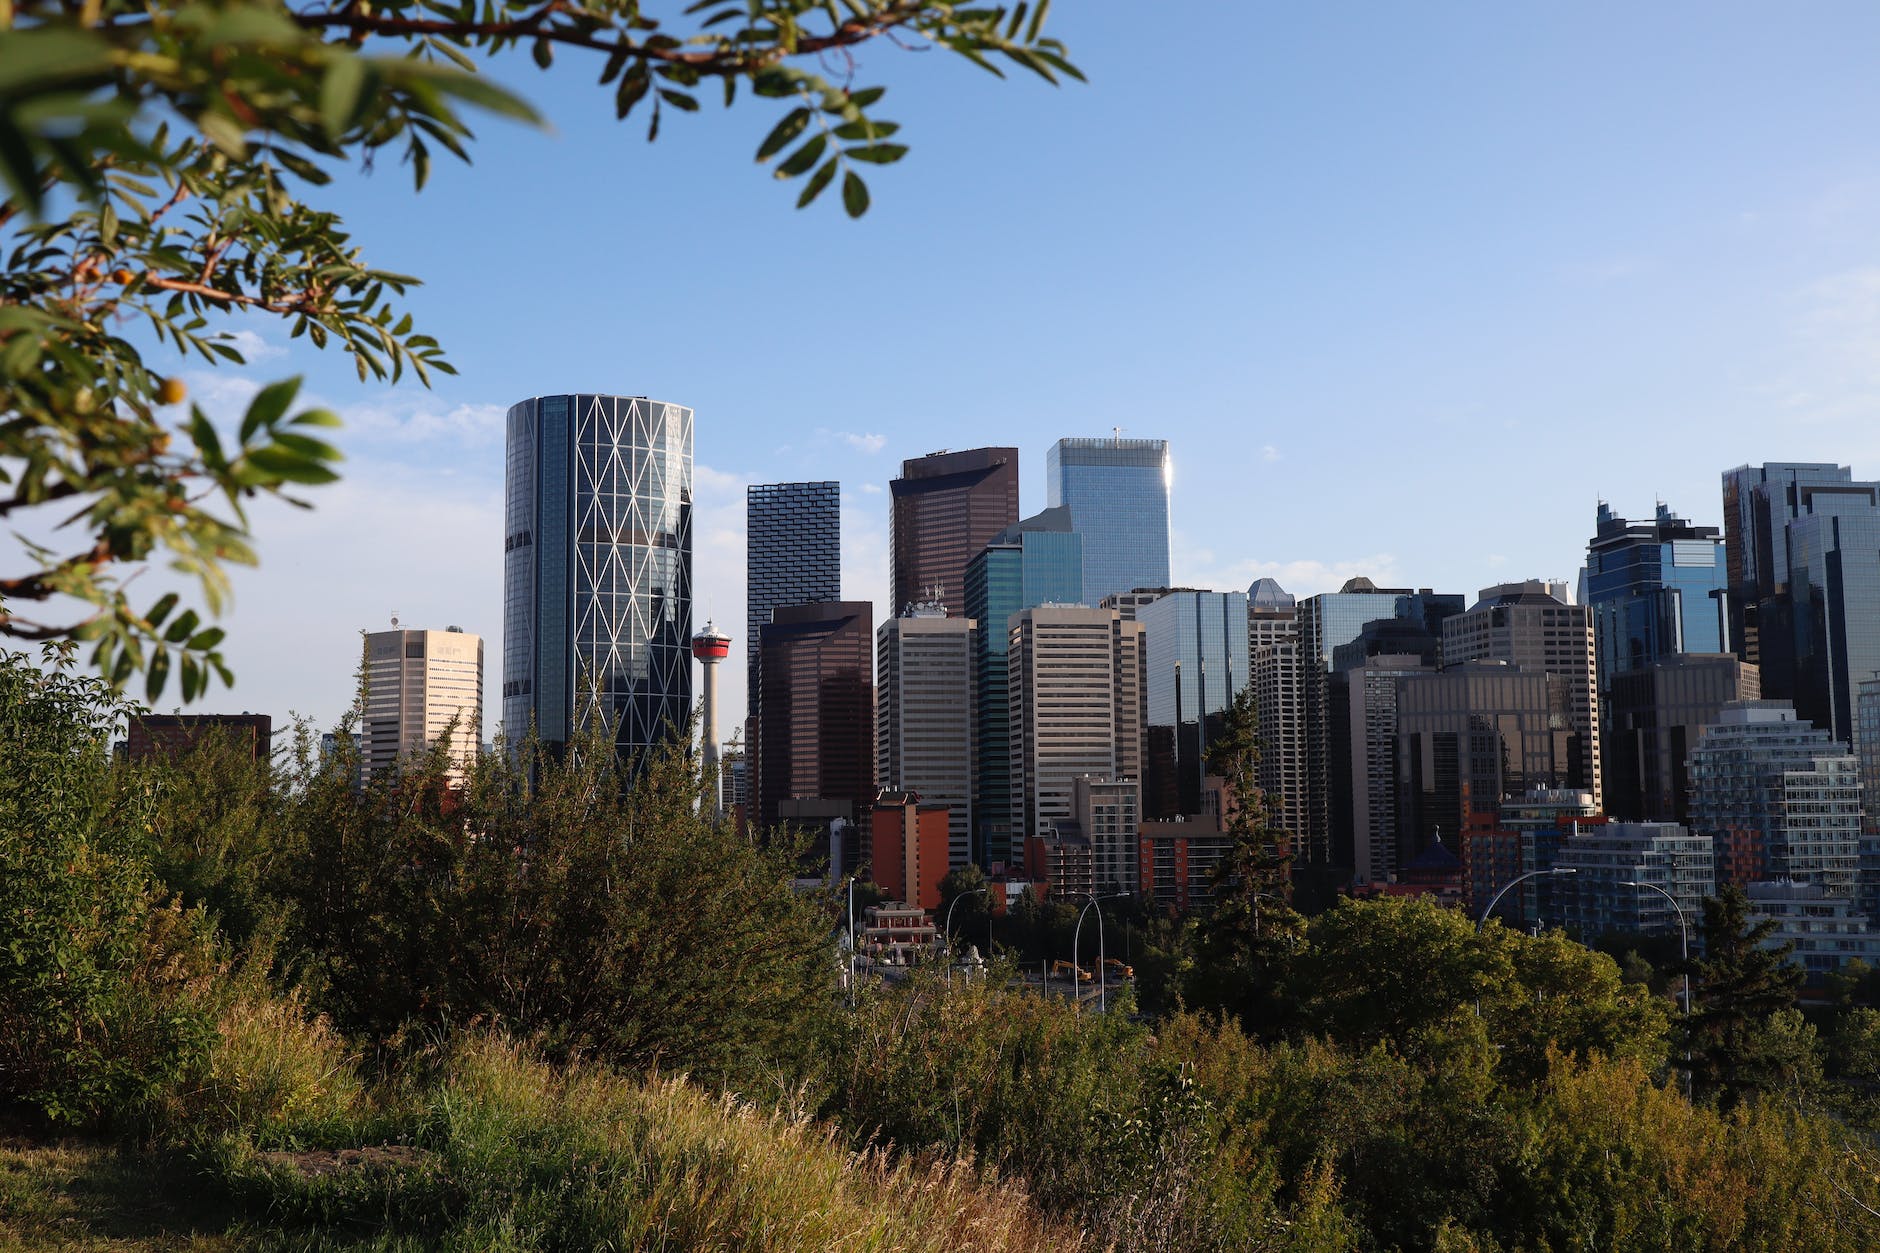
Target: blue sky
(1407,288)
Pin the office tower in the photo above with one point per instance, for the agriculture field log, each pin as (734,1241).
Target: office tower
(1177,858)
(1532,625)
(1075,679)
(1781,798)
(1108,813)
(1273,669)
(793,556)
(924,666)
(945,508)
(420,684)
(1325,846)
(816,764)
(1651,720)
(166,737)
(1039,561)
(1195,662)
(909,843)
(1118,492)
(1655,588)
(1467,736)
(1364,729)
(1833,609)
(1595,899)
(710,647)
(597,569)
(1759,502)
(1127,603)
(1867,719)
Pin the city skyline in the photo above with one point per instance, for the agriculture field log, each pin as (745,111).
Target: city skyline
(1350,351)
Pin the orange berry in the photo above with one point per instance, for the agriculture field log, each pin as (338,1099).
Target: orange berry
(171,391)
(122,276)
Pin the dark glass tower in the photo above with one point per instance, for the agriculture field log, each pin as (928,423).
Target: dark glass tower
(1117,491)
(946,507)
(793,556)
(1035,562)
(1195,646)
(1655,588)
(597,568)
(816,740)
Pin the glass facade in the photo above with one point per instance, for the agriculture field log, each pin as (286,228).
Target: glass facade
(1035,562)
(1118,493)
(944,508)
(1656,589)
(1834,614)
(1196,649)
(793,555)
(597,568)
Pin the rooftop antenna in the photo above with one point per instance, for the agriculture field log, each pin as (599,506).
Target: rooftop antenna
(394,619)
(1117,432)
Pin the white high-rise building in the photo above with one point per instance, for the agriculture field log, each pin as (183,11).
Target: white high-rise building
(924,666)
(1075,680)
(417,683)
(1273,670)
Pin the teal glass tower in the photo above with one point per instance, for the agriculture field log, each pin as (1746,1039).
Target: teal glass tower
(1117,491)
(1655,588)
(597,569)
(1038,561)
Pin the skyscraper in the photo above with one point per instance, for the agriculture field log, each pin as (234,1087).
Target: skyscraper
(1038,561)
(1076,708)
(793,556)
(1273,669)
(1195,649)
(597,568)
(945,507)
(1780,798)
(1326,622)
(418,683)
(1655,588)
(924,711)
(816,741)
(1532,625)
(1118,493)
(1651,720)
(1834,611)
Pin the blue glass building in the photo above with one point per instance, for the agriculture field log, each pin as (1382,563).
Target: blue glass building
(597,568)
(1038,561)
(1117,491)
(1834,594)
(1655,588)
(1195,650)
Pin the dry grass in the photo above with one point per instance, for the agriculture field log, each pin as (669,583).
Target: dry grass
(80,1198)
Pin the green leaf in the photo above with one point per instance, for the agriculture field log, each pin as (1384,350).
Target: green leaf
(161,610)
(878,154)
(342,94)
(279,465)
(803,157)
(159,671)
(184,627)
(544,53)
(203,641)
(678,100)
(854,194)
(269,406)
(866,96)
(782,133)
(818,181)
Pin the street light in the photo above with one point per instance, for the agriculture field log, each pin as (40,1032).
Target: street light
(1532,874)
(1076,935)
(1684,943)
(948,930)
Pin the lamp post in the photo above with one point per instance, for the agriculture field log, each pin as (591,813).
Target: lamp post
(987,893)
(1532,874)
(1684,945)
(1076,935)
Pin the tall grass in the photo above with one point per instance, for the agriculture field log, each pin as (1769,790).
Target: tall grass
(516,1154)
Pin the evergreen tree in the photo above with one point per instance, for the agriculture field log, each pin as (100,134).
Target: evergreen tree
(1739,986)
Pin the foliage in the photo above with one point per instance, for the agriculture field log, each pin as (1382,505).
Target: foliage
(163,159)
(1739,984)
(103,983)
(555,899)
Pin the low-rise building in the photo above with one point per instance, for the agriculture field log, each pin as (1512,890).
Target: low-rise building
(1606,892)
(1827,931)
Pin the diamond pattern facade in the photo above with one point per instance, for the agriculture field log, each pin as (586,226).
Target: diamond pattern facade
(597,568)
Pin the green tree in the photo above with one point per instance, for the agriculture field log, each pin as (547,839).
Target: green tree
(102,978)
(970,918)
(1738,987)
(164,160)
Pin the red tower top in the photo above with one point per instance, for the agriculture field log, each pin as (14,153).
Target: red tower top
(711,644)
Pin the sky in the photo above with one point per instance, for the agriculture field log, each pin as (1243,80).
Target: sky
(1407,288)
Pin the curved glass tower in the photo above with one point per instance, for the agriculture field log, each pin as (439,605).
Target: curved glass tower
(597,568)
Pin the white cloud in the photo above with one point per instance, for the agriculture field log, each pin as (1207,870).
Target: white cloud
(1269,453)
(252,347)
(872,489)
(869,443)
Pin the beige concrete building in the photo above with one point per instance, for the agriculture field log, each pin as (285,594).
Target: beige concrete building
(1533,626)
(1076,699)
(416,683)
(1273,670)
(924,666)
